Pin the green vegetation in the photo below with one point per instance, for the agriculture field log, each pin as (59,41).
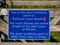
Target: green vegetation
(55,34)
(58,23)
(35,6)
(55,37)
(39,0)
(51,18)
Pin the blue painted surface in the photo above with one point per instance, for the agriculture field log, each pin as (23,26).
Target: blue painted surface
(28,24)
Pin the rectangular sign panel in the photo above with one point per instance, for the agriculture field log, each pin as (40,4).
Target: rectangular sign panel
(28,24)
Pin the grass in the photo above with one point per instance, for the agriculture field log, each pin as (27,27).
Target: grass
(58,23)
(35,6)
(55,34)
(51,18)
(57,38)
(40,0)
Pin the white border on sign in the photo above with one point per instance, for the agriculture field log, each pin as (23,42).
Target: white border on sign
(29,39)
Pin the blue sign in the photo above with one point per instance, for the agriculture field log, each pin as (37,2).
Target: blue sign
(28,24)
